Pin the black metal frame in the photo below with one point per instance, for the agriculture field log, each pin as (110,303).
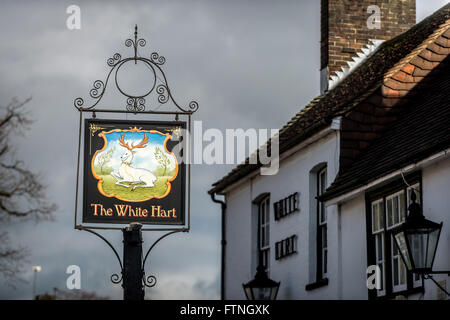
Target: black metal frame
(135,104)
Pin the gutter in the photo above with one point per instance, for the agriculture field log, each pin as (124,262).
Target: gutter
(423,163)
(223,244)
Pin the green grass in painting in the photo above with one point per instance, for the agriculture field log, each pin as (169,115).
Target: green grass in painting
(109,187)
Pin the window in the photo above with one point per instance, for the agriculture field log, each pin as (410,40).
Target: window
(387,209)
(321,226)
(378,234)
(263,231)
(318,237)
(395,216)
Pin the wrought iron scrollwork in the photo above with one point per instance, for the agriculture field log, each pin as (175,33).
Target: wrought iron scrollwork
(149,281)
(136,103)
(114,60)
(163,95)
(97,90)
(157,59)
(115,278)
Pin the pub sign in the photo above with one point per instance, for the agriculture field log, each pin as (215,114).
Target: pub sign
(133,172)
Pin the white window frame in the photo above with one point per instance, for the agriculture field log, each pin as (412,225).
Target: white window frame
(396,258)
(379,233)
(264,231)
(401,214)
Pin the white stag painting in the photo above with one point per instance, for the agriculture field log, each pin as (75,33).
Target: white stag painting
(134,165)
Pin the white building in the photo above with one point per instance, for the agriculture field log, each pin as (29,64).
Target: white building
(381,130)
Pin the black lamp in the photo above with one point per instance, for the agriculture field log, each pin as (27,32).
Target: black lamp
(261,287)
(417,240)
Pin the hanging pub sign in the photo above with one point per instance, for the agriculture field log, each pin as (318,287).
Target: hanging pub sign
(133,172)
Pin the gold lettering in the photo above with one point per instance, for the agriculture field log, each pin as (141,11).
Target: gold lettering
(121,209)
(95,205)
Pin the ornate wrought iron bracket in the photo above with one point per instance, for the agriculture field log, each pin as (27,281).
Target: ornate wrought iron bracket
(430,277)
(150,281)
(115,278)
(136,103)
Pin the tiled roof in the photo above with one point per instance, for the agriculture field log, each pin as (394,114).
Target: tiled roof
(387,61)
(421,131)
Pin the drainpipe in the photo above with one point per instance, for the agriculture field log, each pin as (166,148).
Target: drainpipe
(223,244)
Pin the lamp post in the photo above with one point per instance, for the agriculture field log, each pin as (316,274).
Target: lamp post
(36,269)
(261,287)
(417,240)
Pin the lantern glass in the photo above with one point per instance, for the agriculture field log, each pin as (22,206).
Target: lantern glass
(423,243)
(261,293)
(403,248)
(248,292)
(417,244)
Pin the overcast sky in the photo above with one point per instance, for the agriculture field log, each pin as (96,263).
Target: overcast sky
(249,64)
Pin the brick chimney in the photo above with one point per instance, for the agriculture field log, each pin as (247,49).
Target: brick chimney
(352,29)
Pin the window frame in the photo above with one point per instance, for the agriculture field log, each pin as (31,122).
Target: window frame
(382,194)
(263,229)
(321,228)
(379,233)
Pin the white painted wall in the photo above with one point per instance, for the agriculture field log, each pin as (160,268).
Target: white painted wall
(353,249)
(347,248)
(436,207)
(292,271)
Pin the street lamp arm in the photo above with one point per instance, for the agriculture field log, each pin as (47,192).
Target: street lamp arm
(439,272)
(429,276)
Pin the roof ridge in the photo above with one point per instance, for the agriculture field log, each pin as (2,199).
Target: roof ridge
(418,50)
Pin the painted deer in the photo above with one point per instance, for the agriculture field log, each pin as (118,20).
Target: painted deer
(127,173)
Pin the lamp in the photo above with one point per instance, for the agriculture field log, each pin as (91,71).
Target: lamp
(261,287)
(417,240)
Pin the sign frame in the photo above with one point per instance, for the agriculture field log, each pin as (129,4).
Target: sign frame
(95,197)
(186,123)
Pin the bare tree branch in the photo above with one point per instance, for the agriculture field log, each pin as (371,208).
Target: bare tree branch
(22,193)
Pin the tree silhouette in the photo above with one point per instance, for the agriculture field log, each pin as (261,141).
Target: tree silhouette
(22,195)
